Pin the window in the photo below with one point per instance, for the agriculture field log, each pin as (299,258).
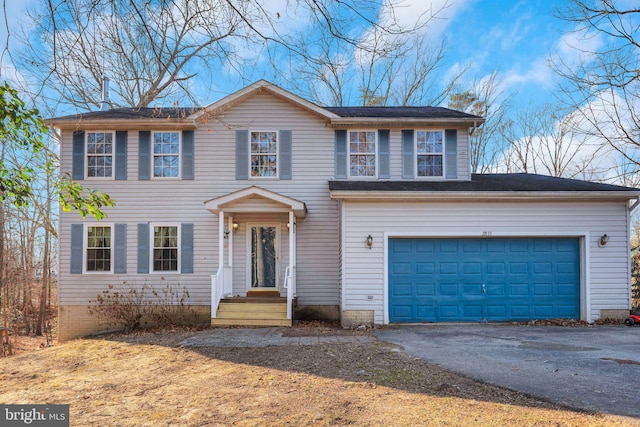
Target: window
(166,154)
(99,248)
(362,153)
(264,154)
(429,154)
(100,154)
(165,248)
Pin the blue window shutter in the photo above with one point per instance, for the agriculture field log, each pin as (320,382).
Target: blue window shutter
(341,154)
(383,154)
(187,154)
(143,248)
(77,161)
(407,154)
(242,154)
(120,249)
(451,153)
(121,155)
(144,155)
(186,248)
(284,162)
(77,240)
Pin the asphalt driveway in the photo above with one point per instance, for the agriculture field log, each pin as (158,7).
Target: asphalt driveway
(594,368)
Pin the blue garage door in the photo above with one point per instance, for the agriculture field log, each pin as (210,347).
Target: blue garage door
(452,280)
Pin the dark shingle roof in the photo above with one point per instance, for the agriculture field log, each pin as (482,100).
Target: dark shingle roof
(134,113)
(482,183)
(405,112)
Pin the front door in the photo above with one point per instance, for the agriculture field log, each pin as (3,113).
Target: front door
(263,248)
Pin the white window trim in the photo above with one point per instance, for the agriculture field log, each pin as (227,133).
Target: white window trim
(153,154)
(376,154)
(152,270)
(415,156)
(277,175)
(86,156)
(85,248)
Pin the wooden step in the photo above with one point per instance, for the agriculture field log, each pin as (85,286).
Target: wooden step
(260,293)
(252,312)
(252,300)
(250,322)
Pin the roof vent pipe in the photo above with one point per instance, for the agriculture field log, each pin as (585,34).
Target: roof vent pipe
(104,104)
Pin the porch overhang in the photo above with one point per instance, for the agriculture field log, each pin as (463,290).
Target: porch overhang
(256,199)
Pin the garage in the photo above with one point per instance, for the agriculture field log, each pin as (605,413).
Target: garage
(483,279)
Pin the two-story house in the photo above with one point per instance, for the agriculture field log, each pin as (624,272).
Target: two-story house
(366,214)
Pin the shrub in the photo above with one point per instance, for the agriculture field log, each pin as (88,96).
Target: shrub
(135,307)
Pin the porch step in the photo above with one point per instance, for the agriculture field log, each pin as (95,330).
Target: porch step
(251,312)
(253,293)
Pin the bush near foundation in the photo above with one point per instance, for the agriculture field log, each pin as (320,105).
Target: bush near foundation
(135,307)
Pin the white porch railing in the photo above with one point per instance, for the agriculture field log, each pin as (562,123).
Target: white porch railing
(217,290)
(289,285)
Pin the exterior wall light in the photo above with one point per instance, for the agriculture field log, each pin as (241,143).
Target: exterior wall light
(235,227)
(603,240)
(369,241)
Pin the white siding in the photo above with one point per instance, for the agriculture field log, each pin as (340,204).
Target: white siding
(605,273)
(183,202)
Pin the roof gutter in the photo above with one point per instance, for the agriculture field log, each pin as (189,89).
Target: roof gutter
(122,124)
(486,195)
(400,121)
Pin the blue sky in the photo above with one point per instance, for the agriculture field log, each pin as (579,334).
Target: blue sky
(515,39)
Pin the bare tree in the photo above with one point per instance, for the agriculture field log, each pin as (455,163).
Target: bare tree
(544,141)
(153,50)
(381,69)
(602,81)
(484,98)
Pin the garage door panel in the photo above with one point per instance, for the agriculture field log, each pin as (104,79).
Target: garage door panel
(472,289)
(402,268)
(471,268)
(495,268)
(542,267)
(426,312)
(425,267)
(425,289)
(496,289)
(448,289)
(497,311)
(402,290)
(519,289)
(425,246)
(483,279)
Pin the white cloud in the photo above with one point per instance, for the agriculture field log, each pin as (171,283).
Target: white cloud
(578,46)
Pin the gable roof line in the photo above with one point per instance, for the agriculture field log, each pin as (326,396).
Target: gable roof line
(218,204)
(257,87)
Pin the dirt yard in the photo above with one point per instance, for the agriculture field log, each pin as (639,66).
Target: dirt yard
(148,379)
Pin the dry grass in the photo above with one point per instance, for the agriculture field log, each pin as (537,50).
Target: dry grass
(148,380)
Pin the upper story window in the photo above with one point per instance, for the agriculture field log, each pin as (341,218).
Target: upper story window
(429,153)
(165,248)
(264,154)
(362,153)
(166,154)
(100,154)
(98,252)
